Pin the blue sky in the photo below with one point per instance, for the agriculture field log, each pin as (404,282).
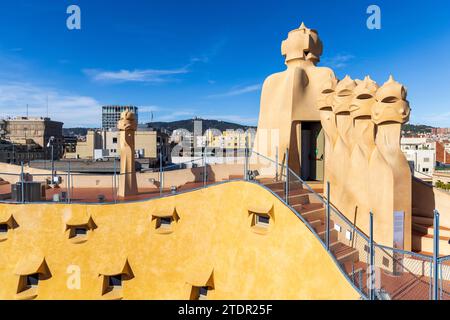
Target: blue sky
(181,59)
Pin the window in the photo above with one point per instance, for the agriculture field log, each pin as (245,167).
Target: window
(80,231)
(203,293)
(261,217)
(115,282)
(112,286)
(114,140)
(199,293)
(164,222)
(426,159)
(262,220)
(3,228)
(425,170)
(77,232)
(32,280)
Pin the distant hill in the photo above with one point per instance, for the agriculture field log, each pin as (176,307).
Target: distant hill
(170,126)
(419,128)
(223,126)
(206,124)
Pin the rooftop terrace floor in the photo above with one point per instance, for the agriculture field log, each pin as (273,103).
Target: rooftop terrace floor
(108,195)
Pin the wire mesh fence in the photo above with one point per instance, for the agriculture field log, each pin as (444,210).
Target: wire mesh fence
(31,185)
(345,243)
(444,278)
(402,275)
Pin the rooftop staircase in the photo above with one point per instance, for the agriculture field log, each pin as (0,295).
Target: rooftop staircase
(423,234)
(306,204)
(405,286)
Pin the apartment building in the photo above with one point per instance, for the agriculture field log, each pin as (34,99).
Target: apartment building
(420,153)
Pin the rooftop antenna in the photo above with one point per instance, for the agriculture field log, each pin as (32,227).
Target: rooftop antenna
(27,110)
(47,106)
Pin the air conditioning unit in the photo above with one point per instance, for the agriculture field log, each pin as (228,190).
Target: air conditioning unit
(32,192)
(57,180)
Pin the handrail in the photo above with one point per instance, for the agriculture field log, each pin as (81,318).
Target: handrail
(421,173)
(384,248)
(333,208)
(173,165)
(308,225)
(419,255)
(321,199)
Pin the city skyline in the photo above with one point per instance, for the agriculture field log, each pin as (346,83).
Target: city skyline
(153,58)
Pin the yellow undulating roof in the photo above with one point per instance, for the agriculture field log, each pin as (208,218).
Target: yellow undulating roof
(214,244)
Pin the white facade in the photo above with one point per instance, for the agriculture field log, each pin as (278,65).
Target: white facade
(420,153)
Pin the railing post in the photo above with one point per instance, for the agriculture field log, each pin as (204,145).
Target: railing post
(276,164)
(246,155)
(327,222)
(436,256)
(115,180)
(287,176)
(68,183)
(204,167)
(372,260)
(22,183)
(161,178)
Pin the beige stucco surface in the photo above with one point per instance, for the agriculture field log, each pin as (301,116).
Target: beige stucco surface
(289,97)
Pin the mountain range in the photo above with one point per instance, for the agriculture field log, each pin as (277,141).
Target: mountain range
(187,124)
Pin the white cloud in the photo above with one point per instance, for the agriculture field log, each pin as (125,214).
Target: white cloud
(437,119)
(338,61)
(149,108)
(176,115)
(72,109)
(147,75)
(237,91)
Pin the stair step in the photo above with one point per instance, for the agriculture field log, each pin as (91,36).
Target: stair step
(281,184)
(321,228)
(295,192)
(424,242)
(333,235)
(299,199)
(344,253)
(429,230)
(312,206)
(356,271)
(315,224)
(318,214)
(422,220)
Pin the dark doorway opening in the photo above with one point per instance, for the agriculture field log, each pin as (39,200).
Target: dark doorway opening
(312,151)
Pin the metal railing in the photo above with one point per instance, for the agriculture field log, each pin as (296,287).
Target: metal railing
(376,271)
(103,188)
